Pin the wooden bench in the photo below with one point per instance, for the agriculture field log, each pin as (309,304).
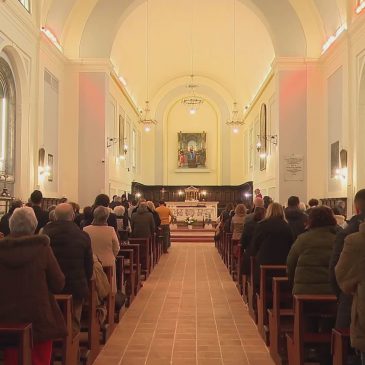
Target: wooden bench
(145,256)
(120,265)
(281,319)
(307,309)
(19,336)
(235,255)
(137,265)
(126,258)
(69,353)
(340,346)
(251,291)
(109,325)
(265,297)
(90,328)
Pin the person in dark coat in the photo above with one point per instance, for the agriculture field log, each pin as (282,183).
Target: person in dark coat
(296,218)
(142,222)
(42,216)
(29,278)
(102,200)
(4,222)
(272,240)
(308,259)
(343,319)
(156,217)
(72,249)
(247,236)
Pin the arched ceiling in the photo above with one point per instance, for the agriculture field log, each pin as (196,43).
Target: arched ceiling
(265,29)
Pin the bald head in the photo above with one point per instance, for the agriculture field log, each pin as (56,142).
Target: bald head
(64,212)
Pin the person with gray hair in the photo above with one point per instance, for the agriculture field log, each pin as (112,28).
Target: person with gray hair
(72,248)
(23,222)
(28,258)
(104,240)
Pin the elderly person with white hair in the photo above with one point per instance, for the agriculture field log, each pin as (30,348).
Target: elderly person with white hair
(29,274)
(72,248)
(123,222)
(104,240)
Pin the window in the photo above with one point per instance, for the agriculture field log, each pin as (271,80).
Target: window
(7,121)
(25,3)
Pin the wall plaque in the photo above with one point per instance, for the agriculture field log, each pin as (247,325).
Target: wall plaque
(294,168)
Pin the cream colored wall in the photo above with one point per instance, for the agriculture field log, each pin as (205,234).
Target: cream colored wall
(264,180)
(121,173)
(206,120)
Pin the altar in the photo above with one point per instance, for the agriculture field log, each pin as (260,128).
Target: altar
(198,210)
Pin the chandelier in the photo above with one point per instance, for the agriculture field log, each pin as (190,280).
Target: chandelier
(146,120)
(236,120)
(192,102)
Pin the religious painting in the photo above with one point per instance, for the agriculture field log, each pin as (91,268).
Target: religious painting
(335,158)
(50,167)
(192,152)
(263,137)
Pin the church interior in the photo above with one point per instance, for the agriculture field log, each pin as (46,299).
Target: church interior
(202,160)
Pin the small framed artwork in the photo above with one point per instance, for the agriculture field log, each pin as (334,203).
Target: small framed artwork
(50,166)
(263,136)
(335,158)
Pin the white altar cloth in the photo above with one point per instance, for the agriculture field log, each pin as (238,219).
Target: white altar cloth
(197,210)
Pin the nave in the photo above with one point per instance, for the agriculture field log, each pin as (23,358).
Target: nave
(189,311)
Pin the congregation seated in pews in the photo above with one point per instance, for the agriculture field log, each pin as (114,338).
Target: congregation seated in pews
(300,271)
(69,276)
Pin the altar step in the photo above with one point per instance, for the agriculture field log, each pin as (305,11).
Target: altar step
(193,235)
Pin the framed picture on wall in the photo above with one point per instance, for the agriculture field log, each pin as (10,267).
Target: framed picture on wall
(50,166)
(335,158)
(263,136)
(121,135)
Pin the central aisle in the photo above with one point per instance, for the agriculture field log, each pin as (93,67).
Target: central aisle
(188,312)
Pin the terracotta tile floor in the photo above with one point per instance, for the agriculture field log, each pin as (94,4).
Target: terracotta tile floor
(188,312)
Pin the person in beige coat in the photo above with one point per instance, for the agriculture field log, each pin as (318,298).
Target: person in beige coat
(350,275)
(104,240)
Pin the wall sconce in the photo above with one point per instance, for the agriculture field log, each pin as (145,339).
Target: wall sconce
(273,139)
(180,193)
(204,193)
(138,195)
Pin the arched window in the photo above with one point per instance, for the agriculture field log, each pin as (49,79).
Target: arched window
(7,121)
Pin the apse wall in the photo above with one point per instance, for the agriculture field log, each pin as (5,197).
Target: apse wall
(180,120)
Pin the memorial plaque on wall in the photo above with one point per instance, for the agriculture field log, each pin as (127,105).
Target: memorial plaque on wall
(294,168)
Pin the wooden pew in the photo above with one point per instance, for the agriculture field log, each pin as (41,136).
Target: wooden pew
(128,271)
(121,287)
(251,292)
(19,336)
(145,258)
(227,249)
(90,344)
(309,308)
(69,353)
(265,297)
(235,260)
(109,325)
(281,318)
(137,265)
(340,346)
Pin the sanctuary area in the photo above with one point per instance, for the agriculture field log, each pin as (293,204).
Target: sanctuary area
(182,182)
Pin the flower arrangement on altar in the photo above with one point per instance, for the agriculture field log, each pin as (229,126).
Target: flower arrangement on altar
(190,220)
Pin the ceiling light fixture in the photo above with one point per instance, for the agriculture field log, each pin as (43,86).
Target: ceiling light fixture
(192,102)
(235,121)
(146,120)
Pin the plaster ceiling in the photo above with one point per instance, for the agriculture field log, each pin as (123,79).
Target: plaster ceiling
(265,29)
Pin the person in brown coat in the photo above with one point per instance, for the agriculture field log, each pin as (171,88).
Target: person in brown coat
(29,275)
(350,275)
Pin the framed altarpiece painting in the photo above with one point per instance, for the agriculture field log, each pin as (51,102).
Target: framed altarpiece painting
(192,150)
